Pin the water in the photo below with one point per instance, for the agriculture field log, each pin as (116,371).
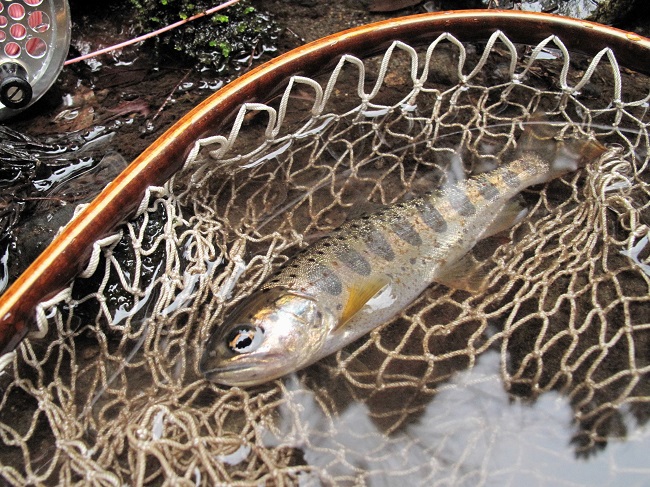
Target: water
(503,389)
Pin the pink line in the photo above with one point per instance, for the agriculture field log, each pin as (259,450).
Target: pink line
(151,34)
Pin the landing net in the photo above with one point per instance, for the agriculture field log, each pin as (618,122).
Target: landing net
(555,352)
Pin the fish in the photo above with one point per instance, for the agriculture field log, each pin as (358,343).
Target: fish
(368,270)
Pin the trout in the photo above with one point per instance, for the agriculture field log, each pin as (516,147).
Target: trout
(368,270)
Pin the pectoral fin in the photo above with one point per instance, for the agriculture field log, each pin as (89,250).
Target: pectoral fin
(359,296)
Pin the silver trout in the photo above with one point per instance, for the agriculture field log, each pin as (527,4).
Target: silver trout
(371,268)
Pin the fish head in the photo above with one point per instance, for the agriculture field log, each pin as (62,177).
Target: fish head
(270,334)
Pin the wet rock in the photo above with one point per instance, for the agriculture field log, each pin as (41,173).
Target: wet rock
(43,182)
(225,40)
(615,11)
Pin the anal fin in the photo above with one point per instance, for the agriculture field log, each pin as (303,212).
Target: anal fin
(463,274)
(512,213)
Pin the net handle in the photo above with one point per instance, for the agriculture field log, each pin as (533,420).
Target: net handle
(66,256)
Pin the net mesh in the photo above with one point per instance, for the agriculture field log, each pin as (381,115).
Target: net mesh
(552,359)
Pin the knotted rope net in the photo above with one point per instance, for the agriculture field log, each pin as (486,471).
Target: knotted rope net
(549,363)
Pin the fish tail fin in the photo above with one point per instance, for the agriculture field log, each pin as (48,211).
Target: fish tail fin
(562,155)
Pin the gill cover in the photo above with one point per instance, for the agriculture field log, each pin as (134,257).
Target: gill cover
(273,332)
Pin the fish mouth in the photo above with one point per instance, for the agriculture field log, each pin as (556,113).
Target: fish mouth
(240,374)
(231,375)
(234,367)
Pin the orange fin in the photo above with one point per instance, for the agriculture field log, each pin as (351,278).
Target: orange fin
(359,296)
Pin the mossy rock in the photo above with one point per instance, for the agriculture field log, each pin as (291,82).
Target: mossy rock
(224,40)
(611,12)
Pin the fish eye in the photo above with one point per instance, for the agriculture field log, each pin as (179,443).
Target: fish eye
(245,338)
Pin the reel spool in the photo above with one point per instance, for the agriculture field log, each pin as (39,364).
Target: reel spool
(34,41)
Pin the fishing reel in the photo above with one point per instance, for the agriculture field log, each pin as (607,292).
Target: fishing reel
(34,42)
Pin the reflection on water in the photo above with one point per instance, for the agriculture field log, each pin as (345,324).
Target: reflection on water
(471,433)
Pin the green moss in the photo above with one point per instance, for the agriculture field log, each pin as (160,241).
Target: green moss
(225,49)
(217,41)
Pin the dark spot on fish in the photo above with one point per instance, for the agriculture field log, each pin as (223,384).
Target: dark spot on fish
(340,237)
(488,190)
(461,203)
(378,245)
(406,232)
(510,178)
(431,216)
(327,244)
(293,276)
(354,225)
(412,260)
(311,259)
(273,281)
(327,280)
(355,261)
(320,252)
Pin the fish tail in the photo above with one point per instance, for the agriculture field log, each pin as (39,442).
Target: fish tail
(540,138)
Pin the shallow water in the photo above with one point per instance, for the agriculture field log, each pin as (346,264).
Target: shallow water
(542,379)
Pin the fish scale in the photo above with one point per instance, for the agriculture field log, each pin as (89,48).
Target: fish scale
(404,233)
(371,268)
